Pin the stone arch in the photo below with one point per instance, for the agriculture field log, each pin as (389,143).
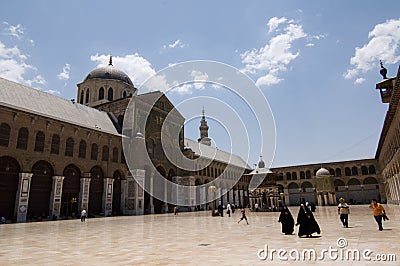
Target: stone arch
(371,170)
(293,185)
(354,182)
(101,93)
(9,178)
(338,183)
(40,190)
(117,189)
(70,191)
(96,190)
(110,94)
(370,180)
(5,131)
(306,184)
(338,172)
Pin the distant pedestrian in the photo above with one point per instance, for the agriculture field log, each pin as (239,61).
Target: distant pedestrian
(256,206)
(83,216)
(287,221)
(175,210)
(307,222)
(344,211)
(221,210)
(2,220)
(243,211)
(228,209)
(378,212)
(233,208)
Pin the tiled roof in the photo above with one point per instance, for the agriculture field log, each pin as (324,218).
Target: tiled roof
(20,97)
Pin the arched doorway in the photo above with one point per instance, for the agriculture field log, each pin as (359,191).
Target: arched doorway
(116,203)
(159,190)
(96,191)
(370,190)
(9,177)
(294,194)
(308,193)
(70,191)
(40,191)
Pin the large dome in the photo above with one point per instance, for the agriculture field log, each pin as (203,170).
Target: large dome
(108,72)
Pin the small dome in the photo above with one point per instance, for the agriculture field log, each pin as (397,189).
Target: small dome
(322,172)
(109,72)
(187,148)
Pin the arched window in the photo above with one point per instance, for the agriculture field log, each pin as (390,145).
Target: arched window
(39,142)
(94,151)
(101,93)
(288,176)
(110,94)
(308,174)
(124,94)
(354,171)
(372,169)
(331,171)
(105,154)
(347,171)
(294,176)
(87,96)
(4,134)
(115,155)
(22,141)
(302,175)
(69,147)
(82,149)
(55,144)
(364,170)
(280,177)
(82,96)
(121,120)
(338,172)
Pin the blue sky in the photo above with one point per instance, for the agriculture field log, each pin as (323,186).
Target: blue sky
(317,62)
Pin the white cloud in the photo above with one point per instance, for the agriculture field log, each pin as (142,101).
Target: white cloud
(136,67)
(176,44)
(275,56)
(199,79)
(15,31)
(383,44)
(13,66)
(359,81)
(53,92)
(64,75)
(274,22)
(310,44)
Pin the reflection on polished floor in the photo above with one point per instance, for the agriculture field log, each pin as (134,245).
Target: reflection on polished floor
(192,239)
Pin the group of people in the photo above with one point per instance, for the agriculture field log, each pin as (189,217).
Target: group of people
(308,225)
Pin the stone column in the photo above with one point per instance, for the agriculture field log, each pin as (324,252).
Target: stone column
(225,196)
(56,194)
(22,197)
(165,206)
(108,196)
(84,193)
(151,204)
(138,185)
(237,197)
(203,198)
(326,198)
(319,199)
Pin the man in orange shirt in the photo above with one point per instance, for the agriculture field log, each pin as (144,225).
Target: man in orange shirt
(379,211)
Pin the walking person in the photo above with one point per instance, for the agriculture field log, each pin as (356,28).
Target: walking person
(83,216)
(256,206)
(243,211)
(287,221)
(344,211)
(378,212)
(228,209)
(307,222)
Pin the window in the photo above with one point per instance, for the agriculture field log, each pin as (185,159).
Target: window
(69,147)
(288,176)
(372,169)
(338,172)
(94,151)
(101,93)
(110,94)
(22,141)
(55,144)
(39,142)
(364,170)
(115,155)
(302,175)
(82,96)
(4,134)
(82,149)
(308,174)
(347,171)
(294,176)
(105,154)
(354,171)
(124,94)
(87,96)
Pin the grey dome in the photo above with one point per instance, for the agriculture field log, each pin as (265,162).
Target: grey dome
(322,172)
(108,72)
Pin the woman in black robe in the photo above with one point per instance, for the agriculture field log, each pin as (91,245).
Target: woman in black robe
(307,222)
(287,221)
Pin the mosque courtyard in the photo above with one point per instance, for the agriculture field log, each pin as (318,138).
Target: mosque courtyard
(196,238)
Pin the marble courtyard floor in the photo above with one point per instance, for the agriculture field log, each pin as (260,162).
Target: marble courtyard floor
(196,239)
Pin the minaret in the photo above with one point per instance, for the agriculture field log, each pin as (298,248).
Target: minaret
(204,139)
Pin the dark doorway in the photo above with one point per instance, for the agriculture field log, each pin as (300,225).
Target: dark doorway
(40,191)
(96,191)
(9,176)
(70,192)
(116,203)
